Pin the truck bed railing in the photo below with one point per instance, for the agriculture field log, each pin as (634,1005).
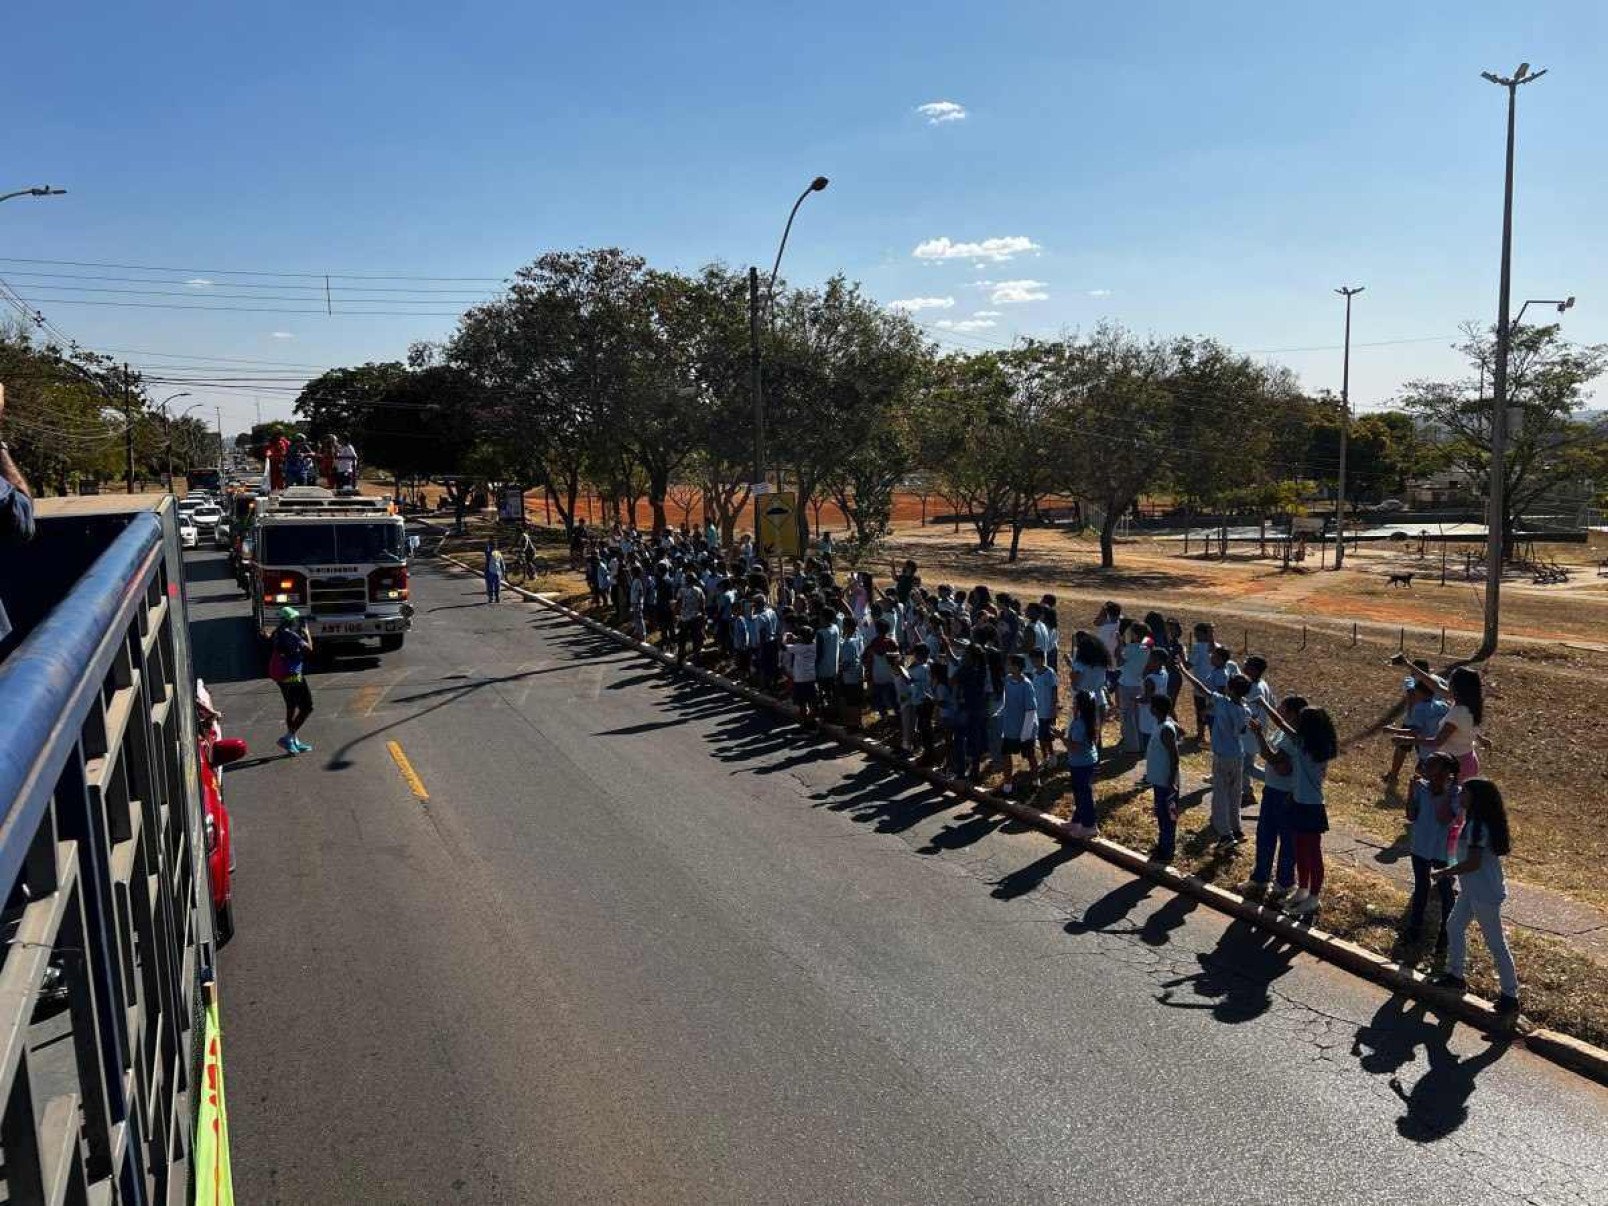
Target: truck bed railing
(107,922)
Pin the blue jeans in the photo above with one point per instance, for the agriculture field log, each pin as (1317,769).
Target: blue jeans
(1489,914)
(1166,827)
(493,588)
(1275,831)
(1082,795)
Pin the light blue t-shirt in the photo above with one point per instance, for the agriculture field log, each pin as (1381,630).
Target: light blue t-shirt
(920,682)
(1158,765)
(849,653)
(1091,678)
(1486,885)
(1430,836)
(1258,703)
(827,640)
(1424,717)
(1228,726)
(1086,754)
(1308,776)
(1279,743)
(1014,706)
(1044,684)
(1135,656)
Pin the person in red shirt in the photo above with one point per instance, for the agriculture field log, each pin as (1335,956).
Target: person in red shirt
(275,454)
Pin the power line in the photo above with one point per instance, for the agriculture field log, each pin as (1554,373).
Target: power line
(348,276)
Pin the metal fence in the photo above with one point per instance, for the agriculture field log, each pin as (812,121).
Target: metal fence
(107,924)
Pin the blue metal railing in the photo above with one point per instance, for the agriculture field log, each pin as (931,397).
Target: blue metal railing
(107,920)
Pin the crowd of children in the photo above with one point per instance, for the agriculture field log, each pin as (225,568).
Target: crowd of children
(978,681)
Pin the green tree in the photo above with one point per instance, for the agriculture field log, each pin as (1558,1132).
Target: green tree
(555,356)
(1547,446)
(336,403)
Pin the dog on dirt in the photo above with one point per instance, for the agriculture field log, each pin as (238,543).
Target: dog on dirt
(1399,580)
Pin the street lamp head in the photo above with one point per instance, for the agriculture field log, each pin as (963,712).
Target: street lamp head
(1524,70)
(1492,76)
(818,184)
(47,191)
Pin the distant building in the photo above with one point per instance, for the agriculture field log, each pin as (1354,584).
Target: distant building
(1447,488)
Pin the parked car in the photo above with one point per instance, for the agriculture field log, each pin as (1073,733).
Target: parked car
(216,752)
(1392,504)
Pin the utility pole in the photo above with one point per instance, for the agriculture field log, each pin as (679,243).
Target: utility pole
(1495,526)
(755,388)
(1347,292)
(128,429)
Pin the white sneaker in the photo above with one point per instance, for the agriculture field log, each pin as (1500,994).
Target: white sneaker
(1303,907)
(1296,897)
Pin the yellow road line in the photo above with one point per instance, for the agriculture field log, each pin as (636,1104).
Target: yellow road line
(409,775)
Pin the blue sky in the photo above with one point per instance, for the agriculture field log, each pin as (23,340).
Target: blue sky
(1178,167)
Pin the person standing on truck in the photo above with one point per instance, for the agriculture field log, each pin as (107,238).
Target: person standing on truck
(287,663)
(16,509)
(345,464)
(276,453)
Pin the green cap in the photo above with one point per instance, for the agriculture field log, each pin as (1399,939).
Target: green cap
(289,614)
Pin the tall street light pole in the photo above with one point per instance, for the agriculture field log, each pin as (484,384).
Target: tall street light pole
(1495,525)
(43,190)
(755,383)
(168,421)
(1347,292)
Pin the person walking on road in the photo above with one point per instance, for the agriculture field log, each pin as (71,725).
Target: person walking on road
(495,571)
(287,664)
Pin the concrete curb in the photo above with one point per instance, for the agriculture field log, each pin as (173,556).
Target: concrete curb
(1555,1046)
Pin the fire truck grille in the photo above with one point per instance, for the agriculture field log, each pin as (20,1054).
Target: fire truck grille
(339,596)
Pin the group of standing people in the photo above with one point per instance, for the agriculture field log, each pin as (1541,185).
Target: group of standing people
(976,681)
(297,461)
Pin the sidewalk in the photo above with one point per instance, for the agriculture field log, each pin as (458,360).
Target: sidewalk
(1545,911)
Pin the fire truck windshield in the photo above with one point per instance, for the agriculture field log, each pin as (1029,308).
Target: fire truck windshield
(327,544)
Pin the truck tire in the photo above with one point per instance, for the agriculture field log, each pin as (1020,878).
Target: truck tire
(391,642)
(223,926)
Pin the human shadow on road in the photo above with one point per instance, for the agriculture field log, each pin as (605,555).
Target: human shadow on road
(1105,914)
(1024,879)
(958,836)
(1235,977)
(1437,1102)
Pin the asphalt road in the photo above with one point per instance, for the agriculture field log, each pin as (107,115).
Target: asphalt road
(642,945)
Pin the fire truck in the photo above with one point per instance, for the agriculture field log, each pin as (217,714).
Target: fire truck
(341,560)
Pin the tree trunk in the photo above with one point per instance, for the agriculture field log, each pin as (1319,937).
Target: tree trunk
(1108,532)
(1016,539)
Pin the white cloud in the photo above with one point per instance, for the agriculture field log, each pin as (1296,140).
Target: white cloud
(1099,293)
(1006,293)
(965,324)
(281,335)
(986,314)
(996,249)
(939,112)
(911,304)
(198,282)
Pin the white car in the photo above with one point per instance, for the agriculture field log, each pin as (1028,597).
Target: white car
(207,517)
(222,537)
(189,538)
